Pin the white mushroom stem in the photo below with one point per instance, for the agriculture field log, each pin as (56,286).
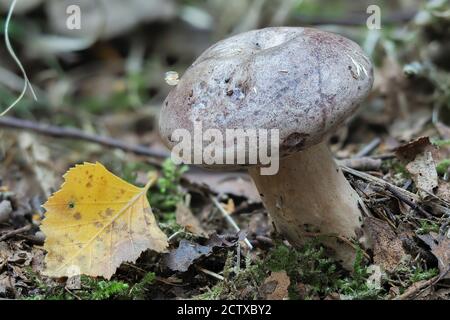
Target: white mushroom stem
(310,197)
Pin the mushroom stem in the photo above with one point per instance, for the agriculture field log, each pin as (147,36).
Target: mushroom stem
(310,196)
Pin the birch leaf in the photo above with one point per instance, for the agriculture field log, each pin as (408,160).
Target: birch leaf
(95,222)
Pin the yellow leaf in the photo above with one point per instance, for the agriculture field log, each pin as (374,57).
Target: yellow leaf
(95,222)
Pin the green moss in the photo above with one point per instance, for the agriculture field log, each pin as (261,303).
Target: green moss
(427,227)
(357,287)
(90,289)
(138,290)
(441,143)
(167,192)
(420,274)
(103,290)
(442,166)
(239,285)
(397,167)
(308,265)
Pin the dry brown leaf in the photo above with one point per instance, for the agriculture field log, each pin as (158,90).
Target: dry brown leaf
(275,287)
(186,218)
(388,250)
(37,156)
(181,258)
(419,157)
(440,247)
(95,222)
(424,174)
(408,151)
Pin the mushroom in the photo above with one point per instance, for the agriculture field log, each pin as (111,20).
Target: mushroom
(302,82)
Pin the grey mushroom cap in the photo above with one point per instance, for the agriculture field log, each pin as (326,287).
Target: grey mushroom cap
(302,81)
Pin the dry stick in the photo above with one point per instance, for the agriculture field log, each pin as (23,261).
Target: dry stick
(76,134)
(368,148)
(210,273)
(404,195)
(415,288)
(229,220)
(410,203)
(15,232)
(379,181)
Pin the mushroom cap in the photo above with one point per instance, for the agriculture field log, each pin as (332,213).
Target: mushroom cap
(302,81)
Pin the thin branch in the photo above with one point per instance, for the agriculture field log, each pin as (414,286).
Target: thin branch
(416,287)
(210,273)
(230,220)
(76,134)
(15,232)
(368,149)
(411,199)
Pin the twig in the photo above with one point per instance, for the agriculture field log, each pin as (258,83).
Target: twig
(174,235)
(15,232)
(72,294)
(410,203)
(368,149)
(415,288)
(361,163)
(379,182)
(404,195)
(238,259)
(229,219)
(210,273)
(76,134)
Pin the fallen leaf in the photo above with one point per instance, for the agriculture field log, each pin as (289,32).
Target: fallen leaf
(419,155)
(275,287)
(186,218)
(95,222)
(187,252)
(443,191)
(408,151)
(440,248)
(424,174)
(388,250)
(406,128)
(37,156)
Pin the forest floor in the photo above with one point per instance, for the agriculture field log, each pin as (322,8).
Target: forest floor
(395,153)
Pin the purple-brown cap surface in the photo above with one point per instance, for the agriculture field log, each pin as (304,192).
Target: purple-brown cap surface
(304,82)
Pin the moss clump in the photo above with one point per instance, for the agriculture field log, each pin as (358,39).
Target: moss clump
(139,289)
(90,289)
(308,265)
(167,193)
(241,284)
(420,274)
(356,287)
(442,167)
(427,226)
